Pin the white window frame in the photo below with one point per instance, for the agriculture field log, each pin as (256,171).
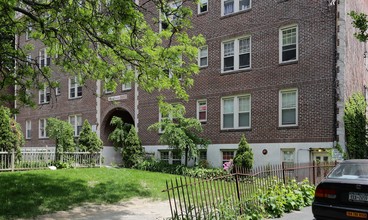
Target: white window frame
(201,110)
(77,125)
(200,3)
(44,59)
(236,7)
(76,87)
(128,85)
(171,159)
(227,150)
(236,54)
(44,95)
(42,126)
(200,56)
(288,151)
(28,32)
(281,92)
(281,35)
(28,129)
(236,112)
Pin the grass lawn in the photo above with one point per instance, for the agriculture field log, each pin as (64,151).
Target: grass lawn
(32,193)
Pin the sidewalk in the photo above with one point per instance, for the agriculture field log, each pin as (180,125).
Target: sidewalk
(304,214)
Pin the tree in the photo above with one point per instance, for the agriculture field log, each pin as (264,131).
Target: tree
(119,134)
(11,136)
(244,154)
(132,152)
(178,132)
(355,127)
(360,21)
(63,134)
(88,140)
(98,40)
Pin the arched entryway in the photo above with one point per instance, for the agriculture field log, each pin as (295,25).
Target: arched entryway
(106,128)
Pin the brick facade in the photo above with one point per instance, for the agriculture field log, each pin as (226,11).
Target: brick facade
(328,55)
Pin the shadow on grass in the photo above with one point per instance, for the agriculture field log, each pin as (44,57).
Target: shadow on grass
(29,195)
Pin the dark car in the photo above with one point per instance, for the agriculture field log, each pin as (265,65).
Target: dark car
(344,192)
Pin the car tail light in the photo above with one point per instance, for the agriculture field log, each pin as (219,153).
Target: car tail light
(325,193)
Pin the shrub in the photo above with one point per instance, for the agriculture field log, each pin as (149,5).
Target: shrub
(244,154)
(88,140)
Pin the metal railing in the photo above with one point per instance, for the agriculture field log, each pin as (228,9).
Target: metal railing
(195,198)
(42,158)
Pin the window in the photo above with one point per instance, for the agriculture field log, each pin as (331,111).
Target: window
(128,85)
(232,6)
(202,6)
(44,95)
(227,155)
(288,155)
(42,128)
(76,122)
(28,32)
(28,129)
(57,91)
(236,54)
(171,15)
(176,157)
(44,59)
(75,90)
(29,59)
(202,110)
(164,156)
(236,112)
(107,90)
(202,155)
(288,112)
(288,44)
(203,57)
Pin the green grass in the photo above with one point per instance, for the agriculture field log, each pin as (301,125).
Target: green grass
(32,193)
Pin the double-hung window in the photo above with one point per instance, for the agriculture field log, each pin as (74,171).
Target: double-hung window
(202,110)
(227,155)
(44,95)
(232,6)
(127,85)
(45,60)
(288,44)
(42,124)
(202,6)
(236,54)
(203,56)
(236,112)
(76,122)
(28,129)
(75,90)
(288,107)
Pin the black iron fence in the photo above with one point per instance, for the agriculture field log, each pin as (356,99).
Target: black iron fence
(195,198)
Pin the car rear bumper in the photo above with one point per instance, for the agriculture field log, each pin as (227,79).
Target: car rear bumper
(323,211)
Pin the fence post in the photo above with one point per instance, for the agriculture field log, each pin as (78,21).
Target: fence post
(314,172)
(283,172)
(100,159)
(12,160)
(238,191)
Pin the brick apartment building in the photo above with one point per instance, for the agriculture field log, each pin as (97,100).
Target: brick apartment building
(277,71)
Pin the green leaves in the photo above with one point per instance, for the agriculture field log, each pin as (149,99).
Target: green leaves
(88,140)
(11,136)
(63,134)
(355,126)
(360,22)
(244,154)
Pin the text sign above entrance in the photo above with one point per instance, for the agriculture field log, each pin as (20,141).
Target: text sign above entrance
(117,98)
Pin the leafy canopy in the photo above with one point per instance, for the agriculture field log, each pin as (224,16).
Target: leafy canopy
(98,40)
(63,134)
(11,136)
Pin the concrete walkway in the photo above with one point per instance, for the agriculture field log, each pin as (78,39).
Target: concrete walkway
(304,214)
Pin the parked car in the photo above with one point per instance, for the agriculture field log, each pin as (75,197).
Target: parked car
(343,194)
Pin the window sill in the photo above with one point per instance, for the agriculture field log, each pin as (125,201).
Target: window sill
(43,138)
(202,13)
(236,71)
(202,67)
(126,90)
(235,13)
(79,97)
(288,127)
(288,63)
(45,103)
(235,130)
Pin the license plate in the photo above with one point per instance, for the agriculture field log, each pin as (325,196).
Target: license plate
(356,214)
(358,197)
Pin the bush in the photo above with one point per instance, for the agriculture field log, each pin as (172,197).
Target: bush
(244,154)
